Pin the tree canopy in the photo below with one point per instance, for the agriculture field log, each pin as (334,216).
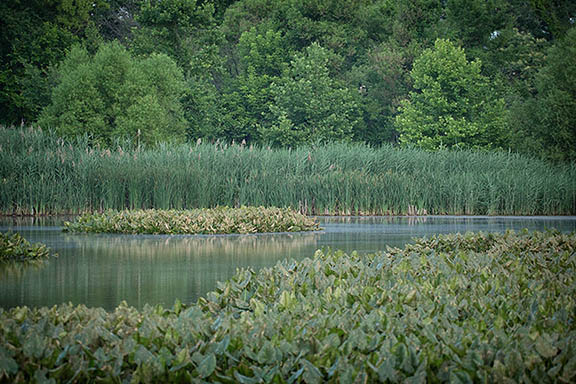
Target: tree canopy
(111,95)
(294,71)
(452,104)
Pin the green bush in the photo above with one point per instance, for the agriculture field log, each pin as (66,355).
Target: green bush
(473,308)
(218,220)
(13,247)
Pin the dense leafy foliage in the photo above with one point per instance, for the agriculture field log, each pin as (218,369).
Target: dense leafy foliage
(452,104)
(13,247)
(456,308)
(112,95)
(40,173)
(296,72)
(178,28)
(34,36)
(308,106)
(551,113)
(218,220)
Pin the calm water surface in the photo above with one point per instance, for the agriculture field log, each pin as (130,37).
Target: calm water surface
(103,270)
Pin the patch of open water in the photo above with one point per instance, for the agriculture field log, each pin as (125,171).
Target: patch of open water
(102,270)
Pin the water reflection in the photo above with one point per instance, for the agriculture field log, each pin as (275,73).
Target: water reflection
(18,269)
(404,220)
(102,270)
(159,269)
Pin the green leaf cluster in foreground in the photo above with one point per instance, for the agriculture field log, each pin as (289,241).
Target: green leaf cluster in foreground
(473,308)
(13,247)
(220,220)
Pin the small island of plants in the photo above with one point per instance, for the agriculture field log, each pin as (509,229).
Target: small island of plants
(219,220)
(491,308)
(15,248)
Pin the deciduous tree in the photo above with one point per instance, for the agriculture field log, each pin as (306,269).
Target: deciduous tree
(114,95)
(452,104)
(546,122)
(309,105)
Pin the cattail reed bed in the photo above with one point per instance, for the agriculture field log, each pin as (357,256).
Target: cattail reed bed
(43,174)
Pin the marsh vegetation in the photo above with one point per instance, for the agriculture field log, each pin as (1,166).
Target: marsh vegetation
(220,220)
(15,248)
(43,174)
(474,307)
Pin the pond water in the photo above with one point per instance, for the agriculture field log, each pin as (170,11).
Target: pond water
(103,270)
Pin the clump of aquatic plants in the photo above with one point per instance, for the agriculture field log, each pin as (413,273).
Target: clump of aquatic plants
(14,247)
(488,308)
(220,220)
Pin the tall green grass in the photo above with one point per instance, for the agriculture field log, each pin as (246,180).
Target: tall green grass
(42,174)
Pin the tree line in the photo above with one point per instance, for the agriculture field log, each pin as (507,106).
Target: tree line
(489,74)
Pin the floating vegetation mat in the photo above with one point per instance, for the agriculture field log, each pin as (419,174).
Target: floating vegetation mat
(491,308)
(15,248)
(219,220)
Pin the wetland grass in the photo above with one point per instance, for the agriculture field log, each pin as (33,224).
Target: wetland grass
(42,174)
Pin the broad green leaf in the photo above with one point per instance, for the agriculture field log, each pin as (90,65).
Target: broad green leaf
(207,366)
(34,346)
(545,348)
(222,346)
(312,374)
(143,355)
(245,379)
(8,365)
(386,371)
(266,355)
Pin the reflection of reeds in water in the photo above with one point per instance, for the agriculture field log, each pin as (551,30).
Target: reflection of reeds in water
(38,221)
(158,247)
(105,269)
(415,220)
(409,220)
(17,270)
